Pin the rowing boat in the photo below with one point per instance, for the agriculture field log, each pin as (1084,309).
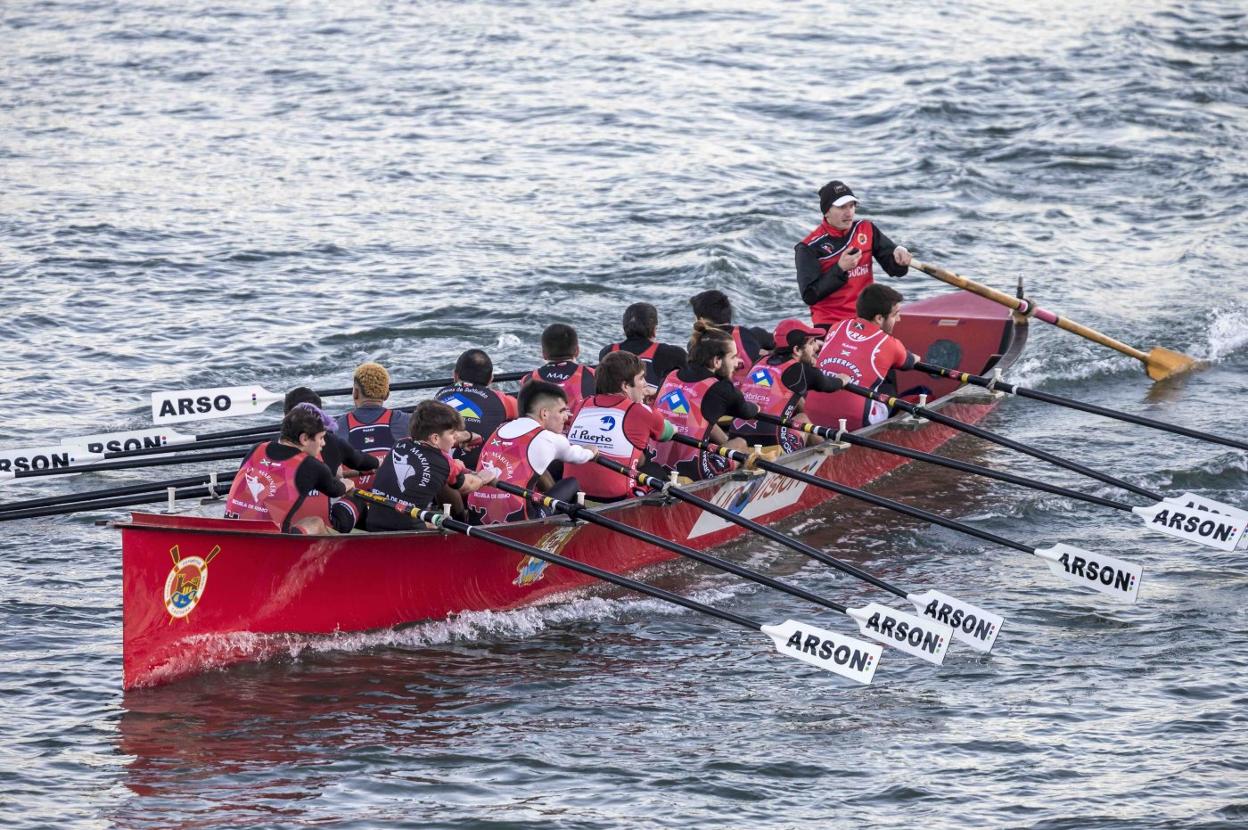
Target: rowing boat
(264,585)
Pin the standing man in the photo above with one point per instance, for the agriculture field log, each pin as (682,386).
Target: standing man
(834,260)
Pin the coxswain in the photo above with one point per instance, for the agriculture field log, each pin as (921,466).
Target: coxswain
(286,483)
(481,407)
(419,469)
(696,397)
(616,421)
(523,450)
(641,325)
(342,459)
(864,350)
(834,260)
(752,343)
(560,349)
(371,427)
(778,384)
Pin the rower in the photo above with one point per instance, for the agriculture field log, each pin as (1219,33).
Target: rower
(342,459)
(481,407)
(834,260)
(696,397)
(864,350)
(560,350)
(617,422)
(420,471)
(713,307)
(286,483)
(523,450)
(370,427)
(641,324)
(778,385)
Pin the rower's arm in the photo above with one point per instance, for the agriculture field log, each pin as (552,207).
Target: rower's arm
(882,249)
(812,283)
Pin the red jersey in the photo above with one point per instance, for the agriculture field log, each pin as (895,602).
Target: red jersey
(511,457)
(830,243)
(863,351)
(265,489)
(620,429)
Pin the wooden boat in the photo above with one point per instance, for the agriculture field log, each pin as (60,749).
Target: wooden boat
(178,621)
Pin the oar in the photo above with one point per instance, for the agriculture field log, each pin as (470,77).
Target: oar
(231,401)
(1158,362)
(1013,389)
(925,639)
(846,656)
(121,501)
(1107,574)
(223,482)
(847,437)
(132,464)
(1191,517)
(974,626)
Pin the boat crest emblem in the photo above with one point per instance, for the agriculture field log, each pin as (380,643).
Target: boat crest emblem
(531,569)
(184,587)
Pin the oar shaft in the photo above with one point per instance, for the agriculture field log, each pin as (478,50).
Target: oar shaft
(407,386)
(575,511)
(103,504)
(173,448)
(190,458)
(223,480)
(971,429)
(1071,403)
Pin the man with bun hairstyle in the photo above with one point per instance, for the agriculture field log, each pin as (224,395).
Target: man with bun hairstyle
(864,350)
(522,451)
(420,471)
(371,427)
(834,260)
(481,407)
(616,422)
(641,325)
(696,397)
(560,349)
(778,385)
(286,483)
(713,307)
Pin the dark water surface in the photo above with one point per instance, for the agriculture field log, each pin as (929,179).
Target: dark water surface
(198,195)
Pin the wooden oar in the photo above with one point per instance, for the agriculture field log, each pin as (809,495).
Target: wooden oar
(846,656)
(1158,362)
(1109,575)
(924,639)
(971,625)
(1188,516)
(1070,403)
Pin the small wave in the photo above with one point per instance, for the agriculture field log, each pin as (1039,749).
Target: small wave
(1228,333)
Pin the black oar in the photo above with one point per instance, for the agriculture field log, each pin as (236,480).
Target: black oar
(1109,575)
(926,639)
(133,464)
(113,503)
(1188,516)
(971,625)
(223,482)
(827,650)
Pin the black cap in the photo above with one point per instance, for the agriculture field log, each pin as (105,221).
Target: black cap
(835,193)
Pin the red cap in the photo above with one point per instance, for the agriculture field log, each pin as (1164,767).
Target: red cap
(789,326)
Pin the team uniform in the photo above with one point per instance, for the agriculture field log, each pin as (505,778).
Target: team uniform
(863,351)
(414,472)
(831,293)
(660,359)
(777,386)
(693,400)
(576,380)
(373,430)
(338,454)
(283,485)
(482,409)
(621,430)
(522,450)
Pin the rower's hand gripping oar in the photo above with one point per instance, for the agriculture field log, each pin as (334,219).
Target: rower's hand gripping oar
(827,650)
(1159,363)
(1189,517)
(971,625)
(873,621)
(1106,574)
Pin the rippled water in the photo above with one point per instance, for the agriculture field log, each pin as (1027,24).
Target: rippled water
(199,195)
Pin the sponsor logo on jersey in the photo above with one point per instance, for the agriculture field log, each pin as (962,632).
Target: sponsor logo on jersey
(761,377)
(463,406)
(675,402)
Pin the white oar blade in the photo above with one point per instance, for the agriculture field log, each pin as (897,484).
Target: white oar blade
(1195,524)
(973,626)
(45,458)
(922,638)
(201,404)
(827,650)
(129,440)
(1116,577)
(1191,501)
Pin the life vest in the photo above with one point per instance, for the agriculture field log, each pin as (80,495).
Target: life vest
(482,409)
(765,388)
(603,427)
(376,439)
(572,384)
(747,363)
(264,490)
(866,354)
(647,358)
(680,402)
(510,456)
(842,304)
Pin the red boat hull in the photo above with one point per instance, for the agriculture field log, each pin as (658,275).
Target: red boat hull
(201,592)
